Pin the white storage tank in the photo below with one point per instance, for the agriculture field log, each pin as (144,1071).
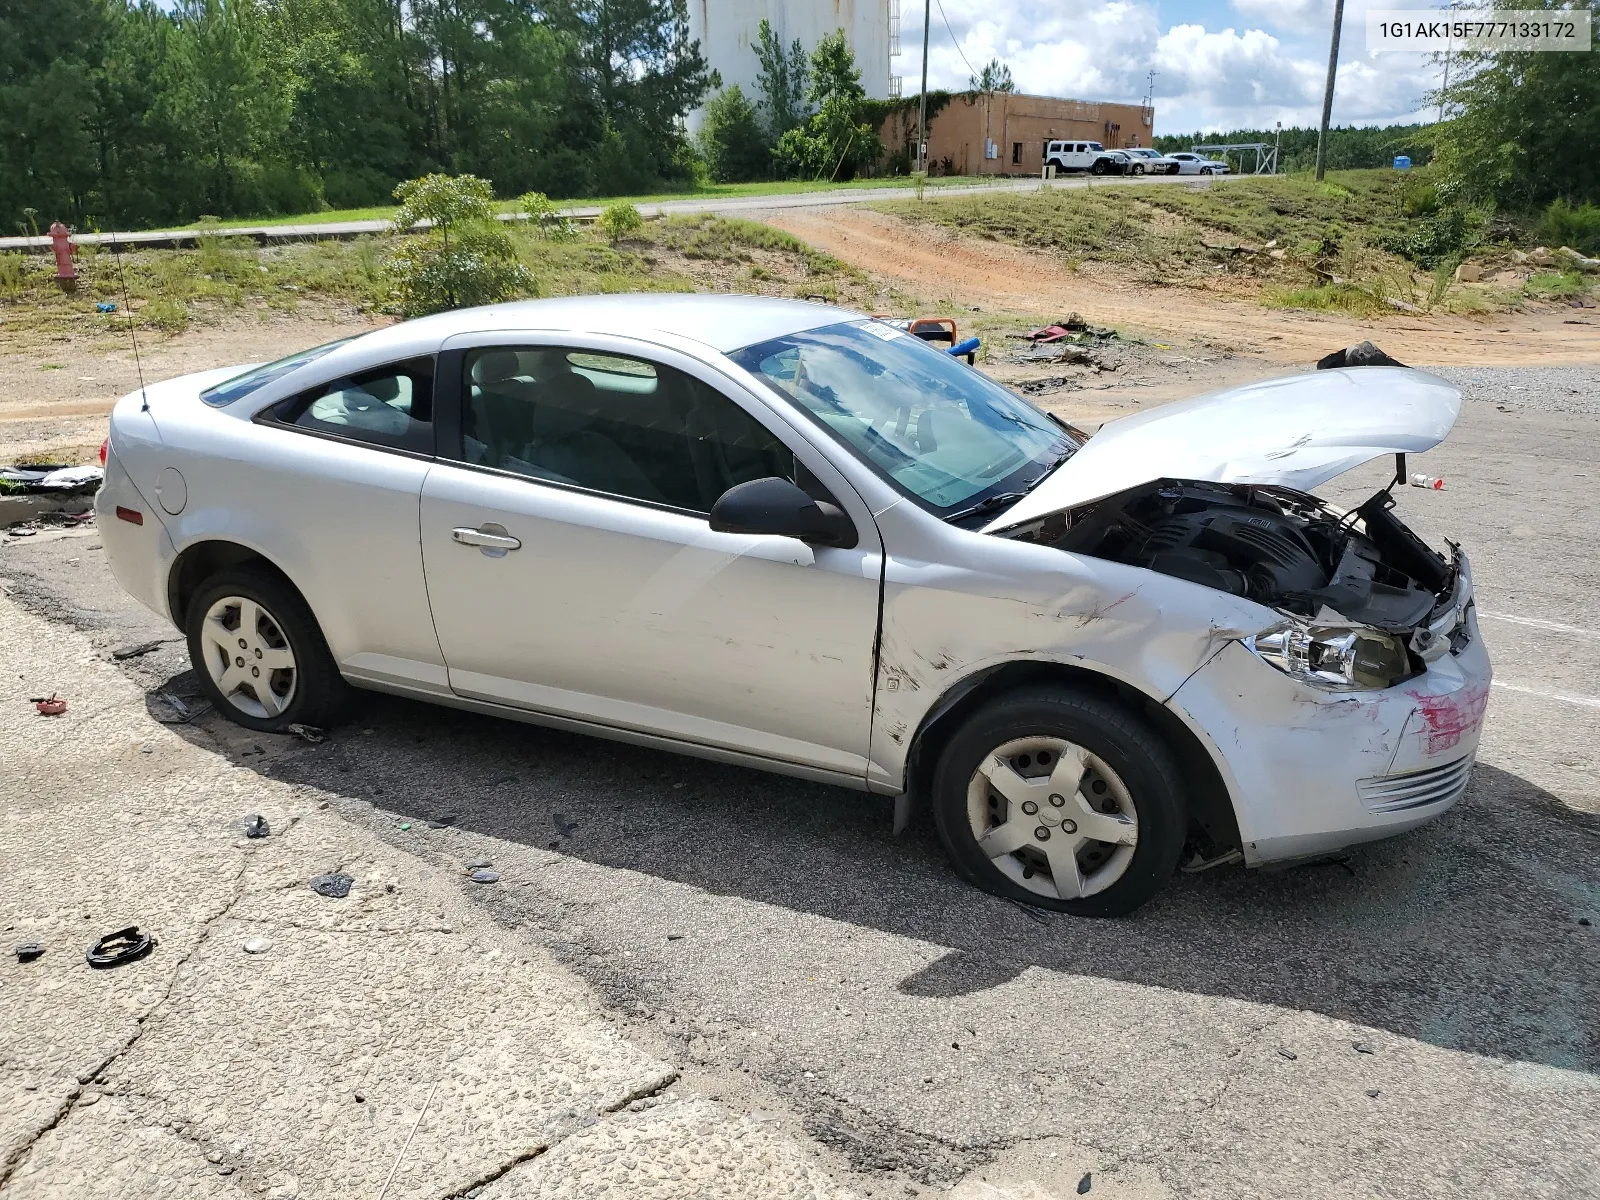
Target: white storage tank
(727,31)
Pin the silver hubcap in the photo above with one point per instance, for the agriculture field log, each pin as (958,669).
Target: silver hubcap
(1053,817)
(248,657)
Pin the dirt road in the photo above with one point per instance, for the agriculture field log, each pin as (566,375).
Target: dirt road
(939,265)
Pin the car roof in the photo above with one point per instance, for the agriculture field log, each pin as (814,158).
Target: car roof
(723,322)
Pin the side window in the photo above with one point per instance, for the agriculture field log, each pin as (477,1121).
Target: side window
(387,406)
(612,424)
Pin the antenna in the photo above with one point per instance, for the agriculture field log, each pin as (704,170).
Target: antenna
(116,252)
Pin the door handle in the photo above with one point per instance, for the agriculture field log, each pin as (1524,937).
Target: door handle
(490,538)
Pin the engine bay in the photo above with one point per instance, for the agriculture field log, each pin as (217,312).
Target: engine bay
(1279,547)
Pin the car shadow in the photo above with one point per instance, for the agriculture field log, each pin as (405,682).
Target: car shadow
(1465,934)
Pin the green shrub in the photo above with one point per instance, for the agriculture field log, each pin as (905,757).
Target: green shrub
(1564,225)
(545,219)
(733,140)
(465,258)
(619,220)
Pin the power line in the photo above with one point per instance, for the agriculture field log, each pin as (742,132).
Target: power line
(953,38)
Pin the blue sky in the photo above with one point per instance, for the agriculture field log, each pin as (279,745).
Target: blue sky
(1220,63)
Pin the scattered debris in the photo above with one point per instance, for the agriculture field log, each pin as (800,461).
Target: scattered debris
(484,875)
(442,821)
(122,653)
(1363,1048)
(472,864)
(1373,1092)
(336,885)
(565,826)
(1047,385)
(51,478)
(674,937)
(49,706)
(184,712)
(1199,863)
(1289,1054)
(1362,354)
(306,733)
(257,945)
(255,826)
(1072,327)
(26,952)
(123,946)
(1083,1184)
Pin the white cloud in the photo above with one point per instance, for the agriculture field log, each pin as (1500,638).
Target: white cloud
(1207,78)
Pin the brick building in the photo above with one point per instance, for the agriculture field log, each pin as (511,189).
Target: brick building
(1014,129)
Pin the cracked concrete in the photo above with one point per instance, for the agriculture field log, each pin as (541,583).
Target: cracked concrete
(301,1071)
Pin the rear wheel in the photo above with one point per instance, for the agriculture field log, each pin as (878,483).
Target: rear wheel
(260,655)
(1060,798)
(1174,169)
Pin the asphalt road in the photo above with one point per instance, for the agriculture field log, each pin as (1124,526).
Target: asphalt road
(1418,1019)
(722,204)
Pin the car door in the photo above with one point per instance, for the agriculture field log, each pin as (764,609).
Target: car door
(572,570)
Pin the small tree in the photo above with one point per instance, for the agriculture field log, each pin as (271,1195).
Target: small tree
(618,220)
(995,77)
(732,139)
(834,143)
(464,258)
(784,80)
(545,219)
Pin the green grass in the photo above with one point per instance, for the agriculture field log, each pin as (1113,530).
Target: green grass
(1366,242)
(170,289)
(715,191)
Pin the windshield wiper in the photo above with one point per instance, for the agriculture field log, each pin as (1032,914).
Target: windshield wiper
(986,504)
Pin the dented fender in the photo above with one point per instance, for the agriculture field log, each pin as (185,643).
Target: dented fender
(1008,601)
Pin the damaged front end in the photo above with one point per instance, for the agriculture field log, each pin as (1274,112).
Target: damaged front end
(1365,603)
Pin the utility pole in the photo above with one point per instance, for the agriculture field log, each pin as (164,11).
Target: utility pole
(922,100)
(1327,94)
(1277,142)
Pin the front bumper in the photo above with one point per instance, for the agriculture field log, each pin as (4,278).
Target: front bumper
(1311,771)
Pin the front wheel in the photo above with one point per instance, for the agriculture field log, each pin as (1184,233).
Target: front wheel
(1099,167)
(260,654)
(1136,169)
(1060,798)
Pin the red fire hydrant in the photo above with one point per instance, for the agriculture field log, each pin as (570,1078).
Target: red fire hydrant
(61,243)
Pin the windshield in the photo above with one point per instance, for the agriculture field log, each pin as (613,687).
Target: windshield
(941,432)
(241,386)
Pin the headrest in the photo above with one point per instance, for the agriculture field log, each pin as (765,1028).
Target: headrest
(495,366)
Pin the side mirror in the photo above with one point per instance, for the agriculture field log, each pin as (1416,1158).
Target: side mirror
(777,507)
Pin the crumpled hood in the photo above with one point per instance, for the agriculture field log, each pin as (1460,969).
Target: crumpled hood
(1297,432)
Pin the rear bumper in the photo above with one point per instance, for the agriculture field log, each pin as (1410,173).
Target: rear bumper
(140,554)
(1311,772)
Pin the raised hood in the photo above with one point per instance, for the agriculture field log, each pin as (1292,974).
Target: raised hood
(1297,432)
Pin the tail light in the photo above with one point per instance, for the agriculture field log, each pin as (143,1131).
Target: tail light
(105,448)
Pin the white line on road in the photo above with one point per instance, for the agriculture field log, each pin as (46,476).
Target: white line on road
(1536,623)
(1584,701)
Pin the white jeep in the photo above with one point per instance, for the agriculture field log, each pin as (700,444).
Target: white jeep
(1093,157)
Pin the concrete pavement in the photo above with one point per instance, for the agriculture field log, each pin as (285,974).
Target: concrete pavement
(395,1041)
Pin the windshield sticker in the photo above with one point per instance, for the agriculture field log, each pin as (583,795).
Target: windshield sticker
(879,329)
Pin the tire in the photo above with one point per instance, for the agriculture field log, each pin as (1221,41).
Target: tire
(1098,167)
(1205,170)
(1128,786)
(1173,169)
(308,690)
(1136,169)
